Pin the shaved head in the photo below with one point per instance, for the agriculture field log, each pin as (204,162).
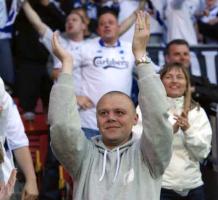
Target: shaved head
(118,93)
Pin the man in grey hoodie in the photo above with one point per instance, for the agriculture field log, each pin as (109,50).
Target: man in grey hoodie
(113,165)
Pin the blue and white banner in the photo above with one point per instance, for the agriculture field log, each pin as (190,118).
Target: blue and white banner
(204,60)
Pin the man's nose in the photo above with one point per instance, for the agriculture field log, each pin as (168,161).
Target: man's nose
(106,25)
(111,117)
(182,57)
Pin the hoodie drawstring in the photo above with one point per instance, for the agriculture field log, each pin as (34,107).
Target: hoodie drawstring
(104,165)
(118,164)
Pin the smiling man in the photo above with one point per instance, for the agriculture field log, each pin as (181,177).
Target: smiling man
(113,165)
(116,115)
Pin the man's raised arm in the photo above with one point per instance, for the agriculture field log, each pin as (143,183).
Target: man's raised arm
(157,134)
(34,18)
(126,24)
(67,140)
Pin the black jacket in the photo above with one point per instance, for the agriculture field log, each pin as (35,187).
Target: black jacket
(205,92)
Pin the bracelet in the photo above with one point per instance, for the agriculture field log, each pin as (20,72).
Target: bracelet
(144,59)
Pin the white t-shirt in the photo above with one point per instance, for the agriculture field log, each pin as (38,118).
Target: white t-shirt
(73,47)
(179,14)
(104,69)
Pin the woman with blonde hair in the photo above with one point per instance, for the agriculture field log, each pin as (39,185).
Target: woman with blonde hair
(192,137)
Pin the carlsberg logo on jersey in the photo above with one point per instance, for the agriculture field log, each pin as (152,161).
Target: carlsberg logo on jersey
(106,63)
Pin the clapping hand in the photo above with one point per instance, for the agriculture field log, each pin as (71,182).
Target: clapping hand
(30,191)
(7,190)
(63,55)
(181,122)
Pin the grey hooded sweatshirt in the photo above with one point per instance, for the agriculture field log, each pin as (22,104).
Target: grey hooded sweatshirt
(131,171)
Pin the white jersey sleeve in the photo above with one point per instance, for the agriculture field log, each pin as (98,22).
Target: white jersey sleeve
(15,133)
(74,48)
(46,39)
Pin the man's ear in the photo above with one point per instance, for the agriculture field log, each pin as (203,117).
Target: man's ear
(166,58)
(120,31)
(136,119)
(97,30)
(118,26)
(85,27)
(97,122)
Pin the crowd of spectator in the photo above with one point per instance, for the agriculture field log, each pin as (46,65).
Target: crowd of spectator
(98,35)
(27,59)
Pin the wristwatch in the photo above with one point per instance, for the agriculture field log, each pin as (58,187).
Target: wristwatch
(144,59)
